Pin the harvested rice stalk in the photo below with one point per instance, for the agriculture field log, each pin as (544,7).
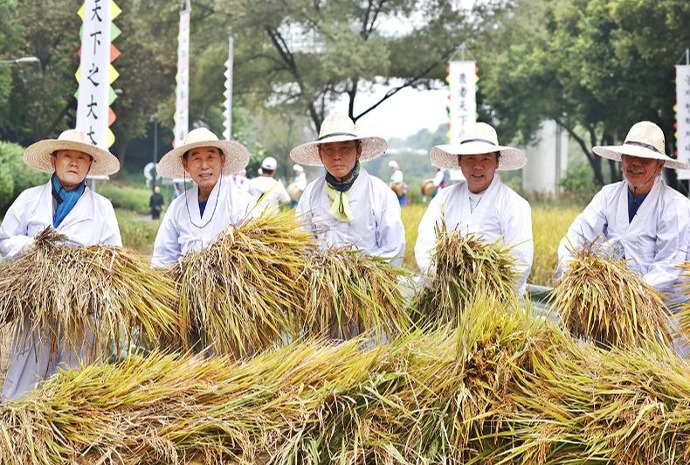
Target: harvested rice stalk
(464,267)
(243,293)
(67,293)
(683,311)
(603,300)
(350,293)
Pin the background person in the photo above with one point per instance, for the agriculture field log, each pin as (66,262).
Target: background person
(267,191)
(347,206)
(86,218)
(397,184)
(156,202)
(299,183)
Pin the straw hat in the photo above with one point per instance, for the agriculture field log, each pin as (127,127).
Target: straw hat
(337,128)
(645,140)
(479,139)
(236,154)
(38,155)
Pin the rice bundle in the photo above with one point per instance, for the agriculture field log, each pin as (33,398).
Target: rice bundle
(464,268)
(350,293)
(603,300)
(243,293)
(683,311)
(68,293)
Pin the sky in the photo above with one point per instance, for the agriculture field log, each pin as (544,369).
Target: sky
(402,115)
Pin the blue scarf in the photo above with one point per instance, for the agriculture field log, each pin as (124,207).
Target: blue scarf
(66,200)
(345,185)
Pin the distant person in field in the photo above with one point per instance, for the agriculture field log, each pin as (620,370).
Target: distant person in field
(397,183)
(156,202)
(348,206)
(299,183)
(267,191)
(431,187)
(481,204)
(196,218)
(640,219)
(86,218)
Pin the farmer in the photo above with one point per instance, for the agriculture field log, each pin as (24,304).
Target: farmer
(299,183)
(86,218)
(348,206)
(396,182)
(156,202)
(267,191)
(640,219)
(196,218)
(482,204)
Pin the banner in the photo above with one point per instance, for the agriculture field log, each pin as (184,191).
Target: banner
(227,124)
(683,117)
(462,81)
(182,92)
(95,73)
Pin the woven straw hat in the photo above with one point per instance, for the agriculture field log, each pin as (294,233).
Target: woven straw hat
(236,154)
(645,140)
(38,155)
(337,128)
(479,139)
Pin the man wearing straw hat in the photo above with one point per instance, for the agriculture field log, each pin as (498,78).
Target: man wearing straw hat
(68,205)
(482,204)
(196,218)
(640,219)
(347,206)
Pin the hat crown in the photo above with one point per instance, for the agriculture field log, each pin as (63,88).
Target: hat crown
(646,133)
(337,123)
(199,135)
(75,135)
(480,132)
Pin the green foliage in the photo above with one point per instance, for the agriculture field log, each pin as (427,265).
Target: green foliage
(138,232)
(578,182)
(15,176)
(126,197)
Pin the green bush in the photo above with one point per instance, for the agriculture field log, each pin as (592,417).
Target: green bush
(15,176)
(126,197)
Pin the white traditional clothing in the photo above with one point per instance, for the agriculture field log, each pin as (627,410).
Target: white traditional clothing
(92,221)
(268,192)
(377,227)
(499,214)
(654,243)
(184,228)
(300,181)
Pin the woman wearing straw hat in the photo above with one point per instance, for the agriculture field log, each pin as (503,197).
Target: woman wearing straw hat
(68,205)
(347,206)
(194,219)
(639,219)
(481,204)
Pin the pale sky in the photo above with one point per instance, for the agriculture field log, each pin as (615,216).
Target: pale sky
(402,115)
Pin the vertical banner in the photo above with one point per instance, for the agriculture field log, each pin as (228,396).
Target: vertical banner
(462,81)
(683,117)
(227,124)
(95,73)
(182,92)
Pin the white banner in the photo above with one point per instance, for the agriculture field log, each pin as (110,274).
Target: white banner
(683,117)
(463,100)
(182,93)
(227,124)
(94,84)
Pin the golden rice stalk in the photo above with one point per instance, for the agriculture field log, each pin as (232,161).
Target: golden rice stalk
(683,310)
(67,293)
(350,293)
(243,293)
(464,267)
(603,300)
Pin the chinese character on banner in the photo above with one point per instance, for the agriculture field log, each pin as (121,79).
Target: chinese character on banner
(182,91)
(463,103)
(683,117)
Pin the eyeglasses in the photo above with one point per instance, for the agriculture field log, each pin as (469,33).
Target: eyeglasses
(343,150)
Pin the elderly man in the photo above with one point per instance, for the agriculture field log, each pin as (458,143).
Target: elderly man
(267,191)
(639,219)
(196,218)
(347,206)
(68,205)
(482,204)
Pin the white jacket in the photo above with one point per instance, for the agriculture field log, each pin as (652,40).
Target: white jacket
(268,192)
(377,228)
(501,214)
(183,229)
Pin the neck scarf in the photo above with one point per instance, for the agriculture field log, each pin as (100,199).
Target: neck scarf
(337,195)
(66,200)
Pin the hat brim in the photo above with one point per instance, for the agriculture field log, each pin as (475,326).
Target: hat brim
(615,152)
(446,156)
(38,156)
(308,154)
(236,158)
